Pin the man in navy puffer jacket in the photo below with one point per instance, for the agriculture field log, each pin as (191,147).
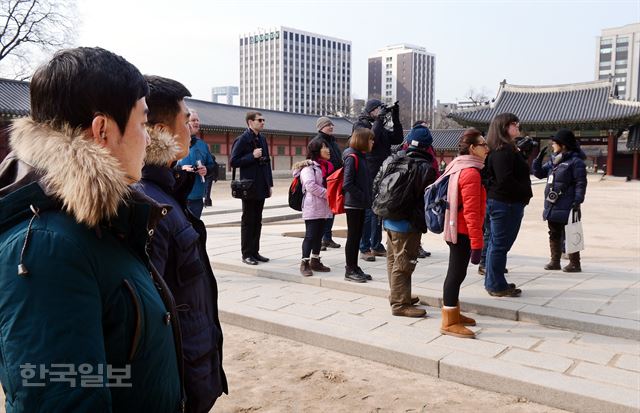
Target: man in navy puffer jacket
(178,248)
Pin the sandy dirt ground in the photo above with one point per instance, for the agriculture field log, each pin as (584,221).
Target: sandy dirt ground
(271,374)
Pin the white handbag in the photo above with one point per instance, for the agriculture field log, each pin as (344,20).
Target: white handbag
(573,234)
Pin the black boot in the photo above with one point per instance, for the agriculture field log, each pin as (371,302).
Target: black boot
(574,263)
(352,274)
(556,251)
(316,265)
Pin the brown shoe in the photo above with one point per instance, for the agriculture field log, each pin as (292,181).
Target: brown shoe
(509,292)
(409,311)
(316,265)
(379,253)
(367,256)
(415,300)
(466,321)
(452,326)
(305,269)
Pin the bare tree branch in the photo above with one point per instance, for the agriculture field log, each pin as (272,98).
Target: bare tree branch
(32,28)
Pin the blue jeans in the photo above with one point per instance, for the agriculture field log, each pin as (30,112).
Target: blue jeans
(327,235)
(505,225)
(486,234)
(195,206)
(371,233)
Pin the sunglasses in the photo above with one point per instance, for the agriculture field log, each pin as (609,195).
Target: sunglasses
(261,120)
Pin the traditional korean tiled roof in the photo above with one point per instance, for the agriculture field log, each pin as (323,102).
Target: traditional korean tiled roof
(14,102)
(14,98)
(446,139)
(578,106)
(231,118)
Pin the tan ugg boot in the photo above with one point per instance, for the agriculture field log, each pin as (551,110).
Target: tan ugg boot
(464,320)
(451,324)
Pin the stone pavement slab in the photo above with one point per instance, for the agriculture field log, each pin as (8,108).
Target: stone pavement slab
(562,368)
(549,297)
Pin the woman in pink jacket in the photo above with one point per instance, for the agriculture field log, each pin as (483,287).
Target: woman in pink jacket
(313,174)
(463,227)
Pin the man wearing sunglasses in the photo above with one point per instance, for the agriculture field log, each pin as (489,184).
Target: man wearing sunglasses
(250,153)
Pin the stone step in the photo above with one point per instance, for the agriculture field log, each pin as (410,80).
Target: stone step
(507,309)
(562,368)
(233,218)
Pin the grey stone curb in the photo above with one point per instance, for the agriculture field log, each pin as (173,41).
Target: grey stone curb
(265,220)
(236,210)
(550,388)
(589,323)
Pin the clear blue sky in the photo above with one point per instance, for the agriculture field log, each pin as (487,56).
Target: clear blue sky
(476,43)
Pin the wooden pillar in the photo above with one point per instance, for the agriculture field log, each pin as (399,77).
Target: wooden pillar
(611,152)
(635,165)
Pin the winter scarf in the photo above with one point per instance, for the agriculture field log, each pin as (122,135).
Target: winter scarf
(453,172)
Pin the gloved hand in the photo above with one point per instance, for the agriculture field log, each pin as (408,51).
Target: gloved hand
(475,256)
(542,153)
(395,111)
(576,206)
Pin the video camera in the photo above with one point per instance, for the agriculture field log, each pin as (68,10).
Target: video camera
(385,109)
(526,145)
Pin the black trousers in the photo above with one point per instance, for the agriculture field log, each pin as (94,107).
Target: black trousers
(251,227)
(459,255)
(355,224)
(313,236)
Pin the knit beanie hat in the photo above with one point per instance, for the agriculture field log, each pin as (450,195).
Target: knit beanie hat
(420,137)
(322,122)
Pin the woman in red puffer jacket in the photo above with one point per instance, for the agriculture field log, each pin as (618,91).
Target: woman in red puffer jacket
(463,230)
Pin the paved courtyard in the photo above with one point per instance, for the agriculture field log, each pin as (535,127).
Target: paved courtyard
(570,341)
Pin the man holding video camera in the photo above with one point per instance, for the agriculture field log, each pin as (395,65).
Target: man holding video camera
(374,117)
(250,153)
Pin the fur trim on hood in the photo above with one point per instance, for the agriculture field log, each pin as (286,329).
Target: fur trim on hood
(162,149)
(81,174)
(298,166)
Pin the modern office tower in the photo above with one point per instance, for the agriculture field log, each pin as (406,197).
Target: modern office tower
(295,71)
(404,73)
(618,55)
(227,91)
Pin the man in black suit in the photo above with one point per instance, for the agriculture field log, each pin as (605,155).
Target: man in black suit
(250,153)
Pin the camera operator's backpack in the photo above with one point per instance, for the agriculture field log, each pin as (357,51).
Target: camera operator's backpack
(334,188)
(393,193)
(295,194)
(436,204)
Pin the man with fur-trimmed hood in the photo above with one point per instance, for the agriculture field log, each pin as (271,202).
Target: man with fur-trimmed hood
(178,248)
(87,324)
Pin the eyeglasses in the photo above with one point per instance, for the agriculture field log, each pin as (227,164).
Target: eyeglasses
(261,120)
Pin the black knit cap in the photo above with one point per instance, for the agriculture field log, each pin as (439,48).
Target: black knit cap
(566,138)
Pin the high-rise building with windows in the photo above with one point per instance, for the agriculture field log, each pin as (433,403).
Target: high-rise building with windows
(295,71)
(618,55)
(404,73)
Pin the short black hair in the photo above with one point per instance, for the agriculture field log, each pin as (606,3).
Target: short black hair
(417,123)
(77,84)
(163,99)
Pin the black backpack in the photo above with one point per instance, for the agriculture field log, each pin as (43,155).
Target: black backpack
(295,194)
(393,188)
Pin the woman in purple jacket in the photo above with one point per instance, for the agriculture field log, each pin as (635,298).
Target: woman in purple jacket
(313,174)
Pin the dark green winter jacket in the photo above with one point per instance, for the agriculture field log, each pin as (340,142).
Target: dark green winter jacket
(85,326)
